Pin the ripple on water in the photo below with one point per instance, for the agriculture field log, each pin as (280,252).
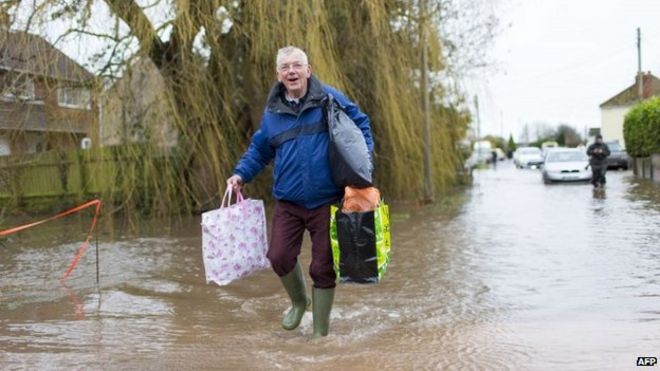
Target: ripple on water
(517,275)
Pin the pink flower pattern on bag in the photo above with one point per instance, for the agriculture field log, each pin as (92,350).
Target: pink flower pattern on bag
(234,242)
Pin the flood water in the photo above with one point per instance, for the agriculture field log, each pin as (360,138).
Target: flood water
(509,274)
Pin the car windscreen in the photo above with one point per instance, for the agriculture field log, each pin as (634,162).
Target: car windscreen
(530,151)
(566,156)
(614,146)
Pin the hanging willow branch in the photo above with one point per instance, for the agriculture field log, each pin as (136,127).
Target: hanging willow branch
(215,65)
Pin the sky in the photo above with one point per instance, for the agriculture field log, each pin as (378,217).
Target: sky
(556,61)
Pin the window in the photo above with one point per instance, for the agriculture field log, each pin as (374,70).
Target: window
(74,98)
(22,87)
(5,146)
(613,146)
(567,156)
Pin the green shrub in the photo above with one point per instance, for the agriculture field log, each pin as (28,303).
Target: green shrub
(641,128)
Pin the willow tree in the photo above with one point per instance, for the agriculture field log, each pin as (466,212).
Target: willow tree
(217,60)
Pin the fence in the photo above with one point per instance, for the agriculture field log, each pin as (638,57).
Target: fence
(48,180)
(647,167)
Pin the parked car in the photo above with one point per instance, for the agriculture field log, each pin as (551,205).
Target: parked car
(618,158)
(566,165)
(480,156)
(528,157)
(501,156)
(545,146)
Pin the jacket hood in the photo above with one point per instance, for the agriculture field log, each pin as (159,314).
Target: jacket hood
(315,94)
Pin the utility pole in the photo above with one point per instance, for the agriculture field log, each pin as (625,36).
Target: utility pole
(501,125)
(476,109)
(640,74)
(426,122)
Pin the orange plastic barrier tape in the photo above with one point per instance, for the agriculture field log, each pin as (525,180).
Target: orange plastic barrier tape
(82,248)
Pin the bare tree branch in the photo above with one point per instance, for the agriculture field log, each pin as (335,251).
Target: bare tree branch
(133,15)
(79,31)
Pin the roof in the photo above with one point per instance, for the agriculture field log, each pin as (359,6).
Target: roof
(629,95)
(30,53)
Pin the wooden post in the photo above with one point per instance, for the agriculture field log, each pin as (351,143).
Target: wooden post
(428,164)
(83,174)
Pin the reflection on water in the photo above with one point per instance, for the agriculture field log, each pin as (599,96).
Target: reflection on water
(510,274)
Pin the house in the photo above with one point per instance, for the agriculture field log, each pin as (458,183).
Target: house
(46,98)
(135,109)
(613,110)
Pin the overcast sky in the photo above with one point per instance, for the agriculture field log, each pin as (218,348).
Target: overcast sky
(555,60)
(558,60)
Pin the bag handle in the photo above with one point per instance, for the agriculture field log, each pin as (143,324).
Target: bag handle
(227,197)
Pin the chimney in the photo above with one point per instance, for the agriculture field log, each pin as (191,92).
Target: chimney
(647,85)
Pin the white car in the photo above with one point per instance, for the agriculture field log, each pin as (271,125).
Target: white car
(501,156)
(479,156)
(528,157)
(566,165)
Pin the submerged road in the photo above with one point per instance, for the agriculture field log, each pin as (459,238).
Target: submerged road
(509,274)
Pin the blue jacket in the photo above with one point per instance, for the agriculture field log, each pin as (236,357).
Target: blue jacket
(299,145)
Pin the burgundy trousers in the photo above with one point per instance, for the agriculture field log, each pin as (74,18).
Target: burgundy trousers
(289,223)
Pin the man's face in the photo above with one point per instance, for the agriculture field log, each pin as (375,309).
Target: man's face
(293,73)
(599,140)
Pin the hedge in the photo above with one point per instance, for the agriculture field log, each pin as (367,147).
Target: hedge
(641,128)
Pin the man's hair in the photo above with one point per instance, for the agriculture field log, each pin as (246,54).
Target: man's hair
(599,136)
(288,50)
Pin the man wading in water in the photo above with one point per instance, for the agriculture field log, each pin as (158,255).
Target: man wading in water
(598,153)
(294,133)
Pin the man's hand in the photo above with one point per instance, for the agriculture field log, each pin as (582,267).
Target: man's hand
(236,182)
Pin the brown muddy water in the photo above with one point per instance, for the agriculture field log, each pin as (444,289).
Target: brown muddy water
(511,274)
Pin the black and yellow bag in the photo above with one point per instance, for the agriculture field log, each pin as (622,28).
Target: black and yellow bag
(360,244)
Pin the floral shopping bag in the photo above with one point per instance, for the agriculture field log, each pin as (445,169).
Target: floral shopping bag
(234,242)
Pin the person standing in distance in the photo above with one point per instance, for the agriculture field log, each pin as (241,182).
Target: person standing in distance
(294,133)
(598,152)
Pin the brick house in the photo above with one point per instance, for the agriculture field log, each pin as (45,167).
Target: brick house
(135,109)
(613,110)
(46,98)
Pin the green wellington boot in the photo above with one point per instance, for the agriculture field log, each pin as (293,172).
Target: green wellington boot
(294,283)
(321,306)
